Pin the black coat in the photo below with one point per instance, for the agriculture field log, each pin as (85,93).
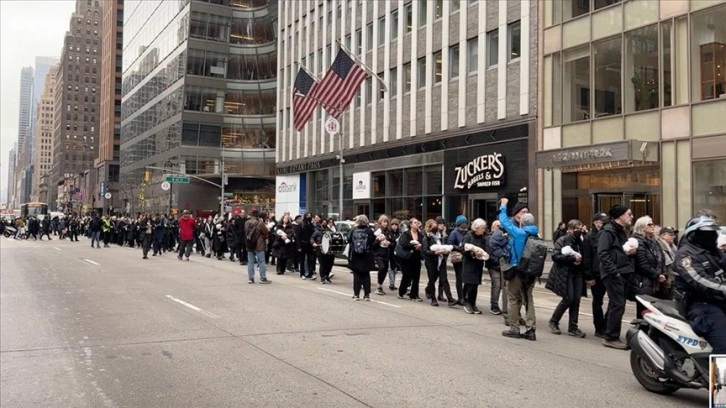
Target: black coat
(473,268)
(405,241)
(279,248)
(361,262)
(564,265)
(589,253)
(380,252)
(648,264)
(612,256)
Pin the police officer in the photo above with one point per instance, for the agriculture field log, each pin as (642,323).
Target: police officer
(701,282)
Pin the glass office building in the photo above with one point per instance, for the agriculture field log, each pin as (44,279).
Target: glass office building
(199,87)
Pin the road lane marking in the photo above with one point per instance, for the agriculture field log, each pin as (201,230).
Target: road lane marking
(372,300)
(191,306)
(56,248)
(92,262)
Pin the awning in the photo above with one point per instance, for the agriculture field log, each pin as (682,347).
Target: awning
(626,153)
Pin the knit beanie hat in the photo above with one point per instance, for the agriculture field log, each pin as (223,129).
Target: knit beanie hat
(519,207)
(617,211)
(461,219)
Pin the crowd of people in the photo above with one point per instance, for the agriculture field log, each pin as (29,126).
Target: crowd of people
(612,256)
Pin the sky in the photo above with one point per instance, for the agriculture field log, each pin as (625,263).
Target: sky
(28,29)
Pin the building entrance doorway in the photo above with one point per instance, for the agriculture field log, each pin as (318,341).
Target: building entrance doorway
(483,206)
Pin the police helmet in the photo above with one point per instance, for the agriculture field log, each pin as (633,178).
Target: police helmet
(701,223)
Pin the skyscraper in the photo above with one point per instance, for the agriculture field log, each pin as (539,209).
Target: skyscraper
(109,138)
(43,158)
(77,102)
(23,164)
(199,98)
(11,178)
(42,66)
(24,103)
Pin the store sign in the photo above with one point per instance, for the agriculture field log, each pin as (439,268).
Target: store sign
(362,185)
(622,151)
(484,171)
(580,155)
(299,168)
(290,193)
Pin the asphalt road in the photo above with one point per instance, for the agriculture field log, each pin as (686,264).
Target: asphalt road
(83,327)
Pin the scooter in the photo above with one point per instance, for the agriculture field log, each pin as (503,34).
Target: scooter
(666,354)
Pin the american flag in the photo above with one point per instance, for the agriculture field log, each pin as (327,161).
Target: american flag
(340,84)
(303,100)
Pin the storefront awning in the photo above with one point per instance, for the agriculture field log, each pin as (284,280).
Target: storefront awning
(627,153)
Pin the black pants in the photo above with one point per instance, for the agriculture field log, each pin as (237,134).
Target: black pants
(411,274)
(308,268)
(106,237)
(326,265)
(145,244)
(45,233)
(437,272)
(459,285)
(361,278)
(570,302)
(471,291)
(709,321)
(185,248)
(382,268)
(616,306)
(281,265)
(598,316)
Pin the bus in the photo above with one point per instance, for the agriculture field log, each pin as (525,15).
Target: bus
(39,210)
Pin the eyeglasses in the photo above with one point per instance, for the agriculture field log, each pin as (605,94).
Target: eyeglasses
(650,224)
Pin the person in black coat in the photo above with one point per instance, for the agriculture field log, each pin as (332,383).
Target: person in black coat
(648,261)
(567,277)
(360,263)
(285,243)
(410,244)
(381,251)
(435,263)
(592,263)
(473,265)
(233,243)
(327,259)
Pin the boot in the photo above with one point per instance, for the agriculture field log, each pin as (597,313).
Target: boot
(434,302)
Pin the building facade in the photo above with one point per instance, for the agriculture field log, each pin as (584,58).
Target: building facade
(107,163)
(23,165)
(11,178)
(43,140)
(199,82)
(632,98)
(450,135)
(42,66)
(77,103)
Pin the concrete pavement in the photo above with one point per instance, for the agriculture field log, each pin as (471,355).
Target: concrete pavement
(86,327)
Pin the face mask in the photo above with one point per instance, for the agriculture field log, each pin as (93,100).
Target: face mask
(434,230)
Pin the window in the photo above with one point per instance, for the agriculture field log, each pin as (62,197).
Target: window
(422,6)
(472,47)
(369,90)
(454,61)
(381,31)
(641,69)
(576,85)
(708,53)
(369,37)
(574,8)
(708,177)
(408,9)
(406,77)
(393,82)
(454,5)
(514,40)
(438,9)
(421,72)
(359,40)
(492,48)
(604,3)
(665,30)
(394,24)
(607,56)
(438,67)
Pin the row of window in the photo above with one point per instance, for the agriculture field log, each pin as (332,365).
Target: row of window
(243,31)
(78,49)
(229,136)
(232,102)
(232,66)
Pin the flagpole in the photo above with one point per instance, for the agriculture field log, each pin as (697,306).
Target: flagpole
(365,67)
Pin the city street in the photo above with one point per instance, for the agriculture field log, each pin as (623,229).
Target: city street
(83,327)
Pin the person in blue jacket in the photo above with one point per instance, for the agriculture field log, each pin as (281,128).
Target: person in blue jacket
(519,227)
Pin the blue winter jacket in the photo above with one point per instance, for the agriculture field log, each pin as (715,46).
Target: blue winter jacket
(517,235)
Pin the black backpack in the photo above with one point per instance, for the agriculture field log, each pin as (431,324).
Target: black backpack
(359,240)
(531,265)
(252,237)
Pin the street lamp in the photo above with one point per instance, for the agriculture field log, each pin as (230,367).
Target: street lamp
(169,164)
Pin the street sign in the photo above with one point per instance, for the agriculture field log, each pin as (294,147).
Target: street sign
(332,126)
(176,179)
(107,196)
(165,185)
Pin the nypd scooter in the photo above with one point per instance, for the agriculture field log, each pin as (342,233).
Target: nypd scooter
(666,354)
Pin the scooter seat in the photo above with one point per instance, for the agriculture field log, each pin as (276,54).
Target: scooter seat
(669,308)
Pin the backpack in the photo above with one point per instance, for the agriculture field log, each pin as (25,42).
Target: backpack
(531,265)
(252,236)
(359,240)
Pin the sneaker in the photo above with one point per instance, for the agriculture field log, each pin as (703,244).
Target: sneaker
(146,257)
(187,259)
(468,309)
(600,335)
(476,310)
(555,328)
(453,303)
(530,334)
(616,344)
(495,310)
(179,257)
(313,277)
(441,298)
(400,297)
(577,333)
(392,287)
(512,333)
(380,291)
(329,281)
(417,299)
(265,281)
(251,281)
(434,302)
(322,281)
(303,278)
(367,298)
(356,298)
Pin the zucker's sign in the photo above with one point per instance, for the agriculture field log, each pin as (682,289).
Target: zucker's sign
(481,172)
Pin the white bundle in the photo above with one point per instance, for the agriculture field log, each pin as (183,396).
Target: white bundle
(414,242)
(632,243)
(568,251)
(378,232)
(479,253)
(446,249)
(283,236)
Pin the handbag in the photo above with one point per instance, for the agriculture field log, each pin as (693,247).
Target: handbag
(402,253)
(456,257)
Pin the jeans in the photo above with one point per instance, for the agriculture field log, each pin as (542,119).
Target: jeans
(499,288)
(185,248)
(95,237)
(392,270)
(516,300)
(709,321)
(307,262)
(598,316)
(260,256)
(571,302)
(615,287)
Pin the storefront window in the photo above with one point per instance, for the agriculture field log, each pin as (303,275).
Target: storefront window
(641,69)
(414,181)
(607,57)
(394,183)
(576,85)
(378,183)
(708,51)
(709,187)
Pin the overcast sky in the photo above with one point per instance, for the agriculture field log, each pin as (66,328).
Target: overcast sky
(28,28)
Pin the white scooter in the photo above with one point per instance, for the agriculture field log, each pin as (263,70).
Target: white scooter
(666,354)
